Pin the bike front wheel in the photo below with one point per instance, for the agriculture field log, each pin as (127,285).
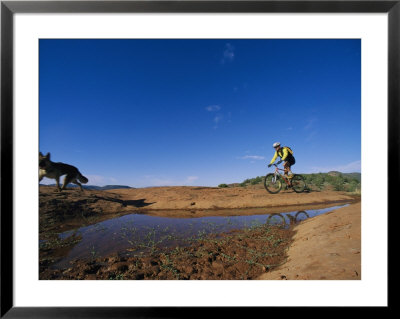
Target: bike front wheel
(272,183)
(298,183)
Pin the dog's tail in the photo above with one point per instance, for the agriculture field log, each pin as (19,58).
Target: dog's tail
(82,178)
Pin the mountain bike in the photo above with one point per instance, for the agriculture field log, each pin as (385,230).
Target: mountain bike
(273,182)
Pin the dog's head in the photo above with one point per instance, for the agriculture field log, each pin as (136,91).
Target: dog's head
(43,160)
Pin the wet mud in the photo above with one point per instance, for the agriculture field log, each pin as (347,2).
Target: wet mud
(244,254)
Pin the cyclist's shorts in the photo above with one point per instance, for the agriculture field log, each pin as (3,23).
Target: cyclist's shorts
(290,161)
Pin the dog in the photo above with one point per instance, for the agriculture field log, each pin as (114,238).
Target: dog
(50,169)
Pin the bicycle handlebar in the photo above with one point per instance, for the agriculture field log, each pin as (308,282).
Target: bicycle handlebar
(275,164)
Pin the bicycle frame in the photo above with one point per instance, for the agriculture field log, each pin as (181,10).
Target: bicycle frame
(277,172)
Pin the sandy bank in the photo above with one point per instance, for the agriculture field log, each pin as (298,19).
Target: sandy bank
(206,198)
(324,247)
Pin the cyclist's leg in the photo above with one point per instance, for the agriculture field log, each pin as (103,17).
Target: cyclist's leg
(290,164)
(285,176)
(287,167)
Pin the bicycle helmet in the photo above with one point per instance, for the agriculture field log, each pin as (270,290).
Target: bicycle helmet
(276,144)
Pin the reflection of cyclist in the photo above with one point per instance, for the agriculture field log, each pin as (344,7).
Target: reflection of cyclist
(286,155)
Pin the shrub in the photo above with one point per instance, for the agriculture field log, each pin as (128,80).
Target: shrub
(338,184)
(256,180)
(354,186)
(319,182)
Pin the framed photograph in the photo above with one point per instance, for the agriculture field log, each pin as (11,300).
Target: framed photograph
(161,127)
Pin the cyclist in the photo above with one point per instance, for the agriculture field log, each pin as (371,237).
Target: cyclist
(286,155)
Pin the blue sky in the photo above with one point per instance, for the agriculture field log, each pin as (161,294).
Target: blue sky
(198,112)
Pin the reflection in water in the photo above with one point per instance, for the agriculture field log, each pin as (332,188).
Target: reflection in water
(137,234)
(287,219)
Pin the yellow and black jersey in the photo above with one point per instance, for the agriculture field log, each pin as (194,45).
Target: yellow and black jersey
(285,153)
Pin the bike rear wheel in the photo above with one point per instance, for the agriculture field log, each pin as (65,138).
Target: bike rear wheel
(298,183)
(273,183)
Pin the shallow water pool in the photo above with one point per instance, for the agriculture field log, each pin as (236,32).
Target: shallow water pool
(137,234)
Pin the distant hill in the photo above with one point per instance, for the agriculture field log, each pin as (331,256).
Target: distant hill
(357,176)
(94,187)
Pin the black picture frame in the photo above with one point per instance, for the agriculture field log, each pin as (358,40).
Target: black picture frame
(9,8)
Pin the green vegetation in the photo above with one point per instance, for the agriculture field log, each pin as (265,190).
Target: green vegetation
(334,180)
(349,182)
(253,181)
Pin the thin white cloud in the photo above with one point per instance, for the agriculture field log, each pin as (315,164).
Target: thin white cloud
(310,124)
(352,167)
(253,157)
(213,108)
(310,129)
(311,136)
(156,181)
(229,53)
(191,179)
(217,119)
